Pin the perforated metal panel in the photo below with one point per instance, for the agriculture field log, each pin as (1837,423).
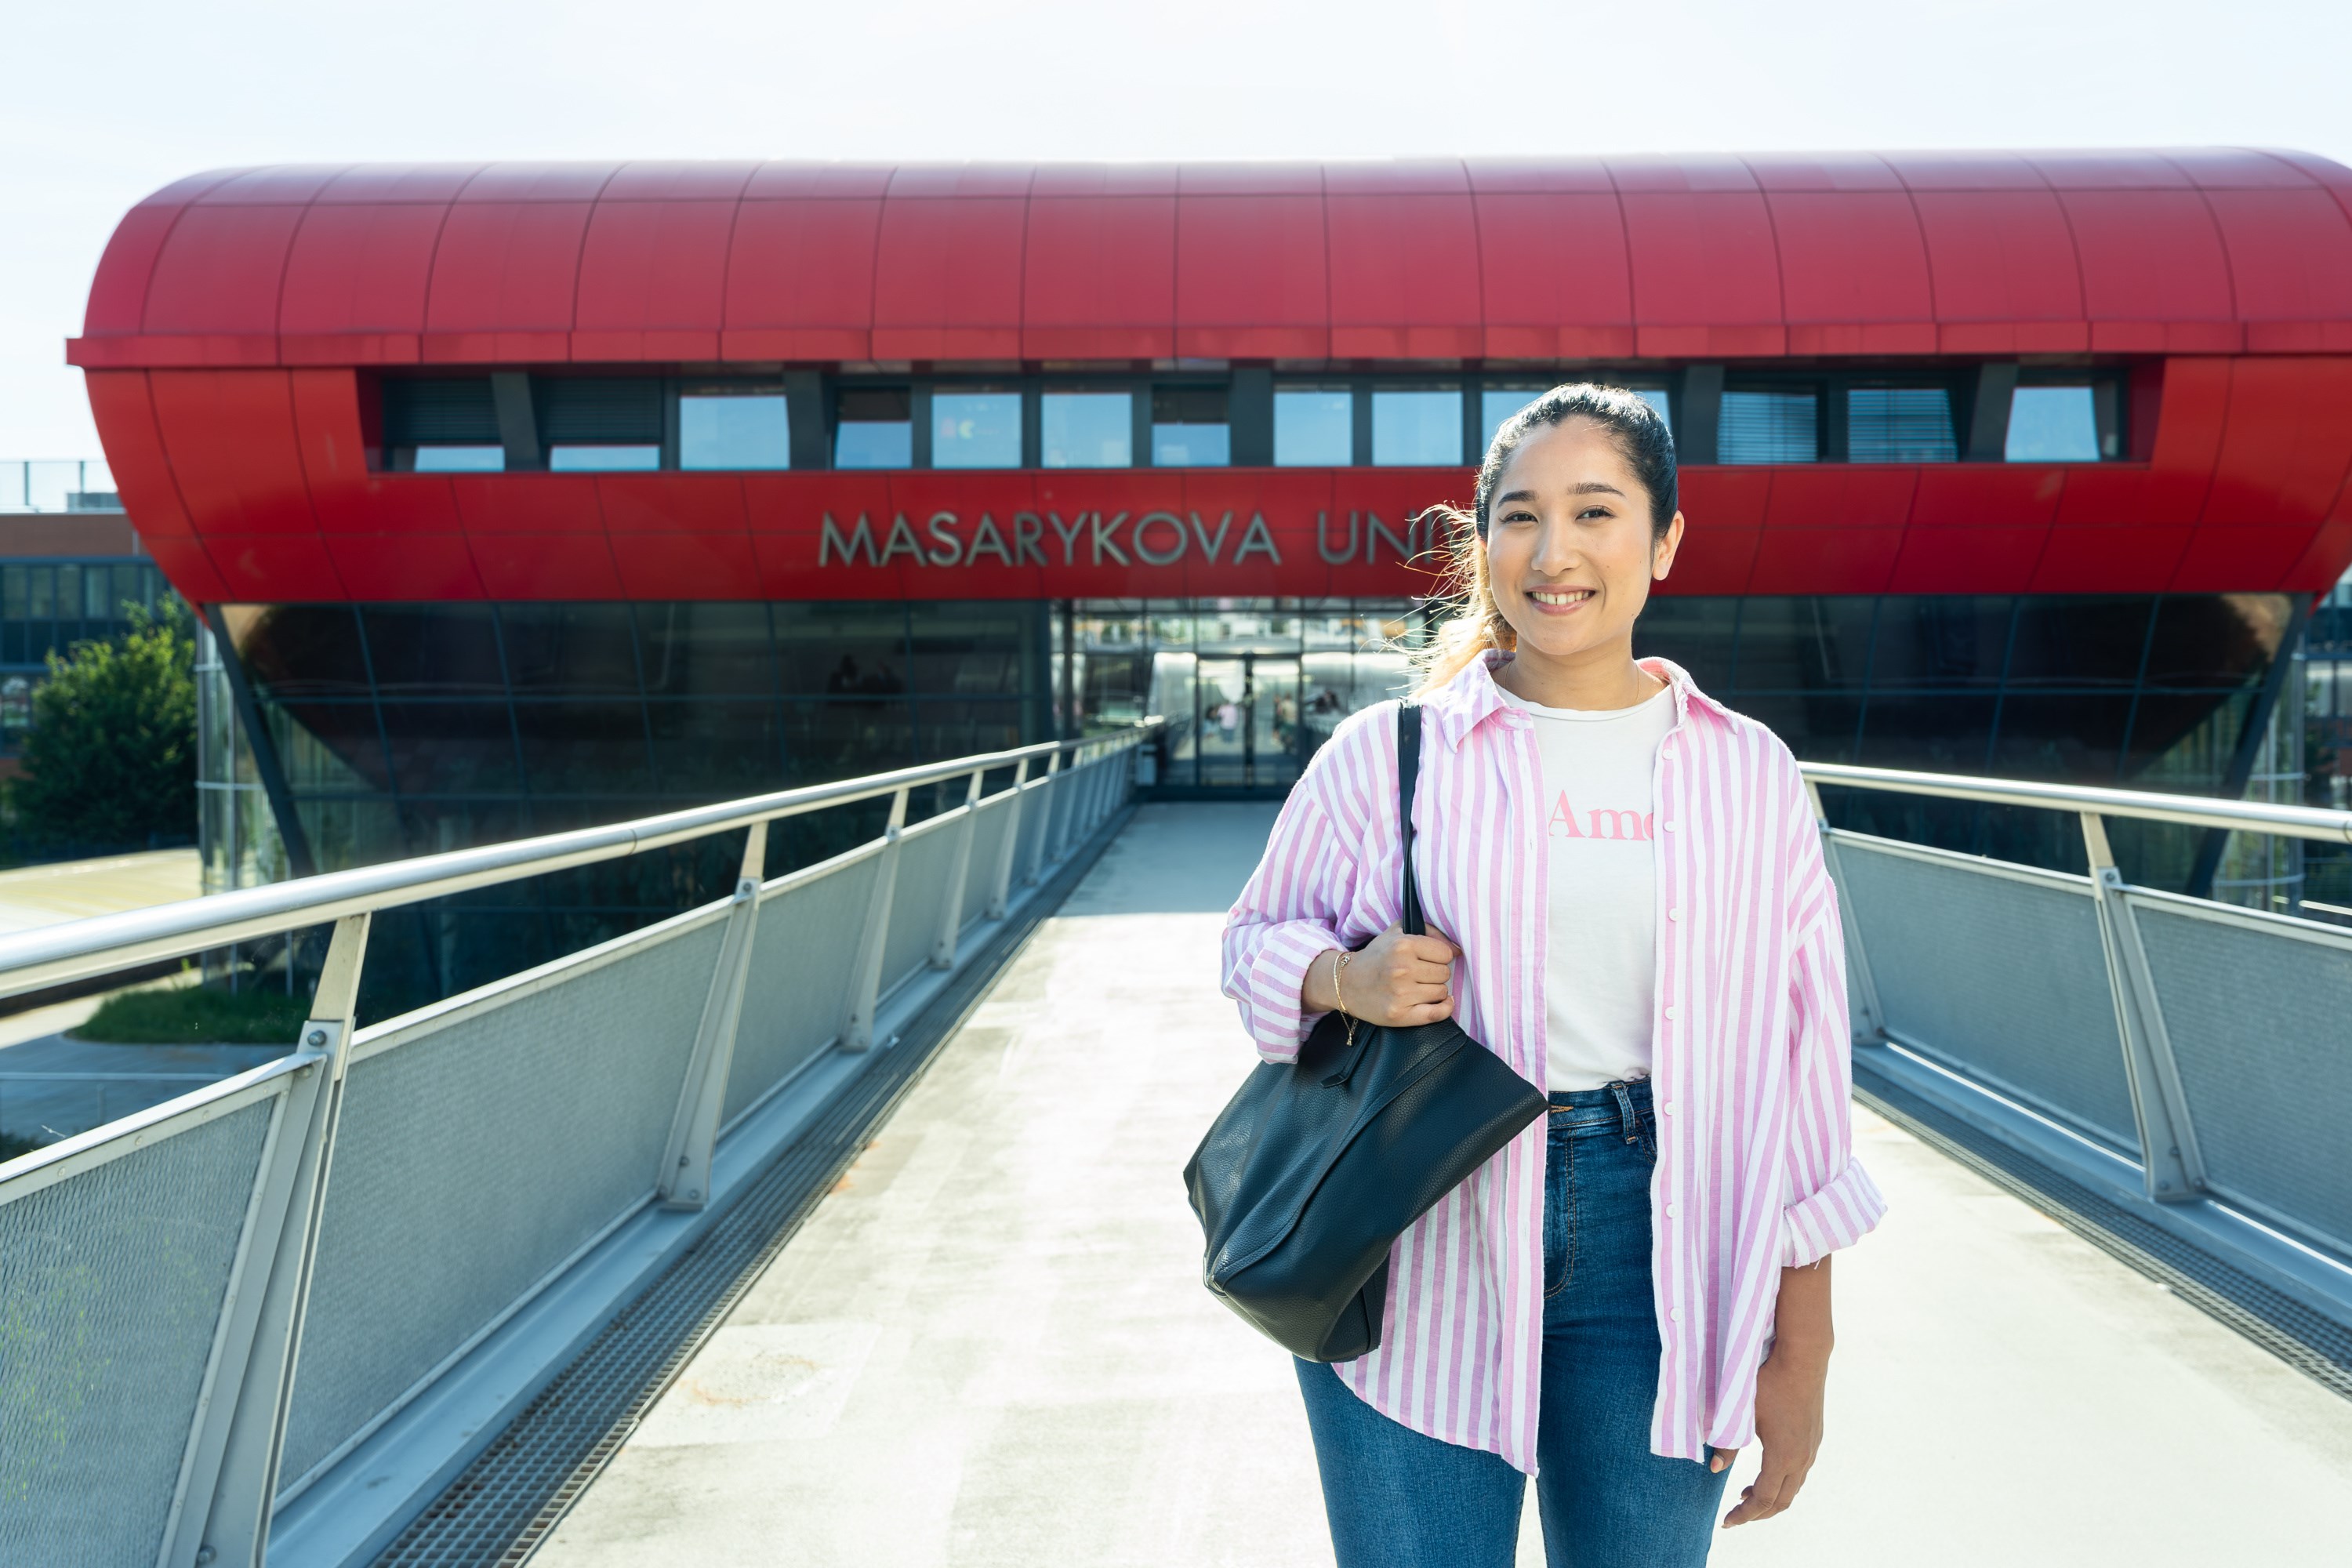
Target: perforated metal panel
(797,991)
(987,844)
(1035,807)
(472,1160)
(916,902)
(2005,979)
(112,1284)
(2261,1025)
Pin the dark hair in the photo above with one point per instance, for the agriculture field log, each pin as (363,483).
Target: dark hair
(1639,430)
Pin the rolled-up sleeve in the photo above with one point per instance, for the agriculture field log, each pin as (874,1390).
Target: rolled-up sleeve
(1292,911)
(1830,1199)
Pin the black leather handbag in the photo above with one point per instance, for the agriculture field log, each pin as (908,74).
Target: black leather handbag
(1312,1171)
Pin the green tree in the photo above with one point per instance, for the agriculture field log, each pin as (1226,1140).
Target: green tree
(111,758)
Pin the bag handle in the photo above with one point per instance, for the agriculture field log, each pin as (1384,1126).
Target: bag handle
(1407,776)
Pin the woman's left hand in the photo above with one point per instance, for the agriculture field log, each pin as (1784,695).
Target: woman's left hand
(1789,1388)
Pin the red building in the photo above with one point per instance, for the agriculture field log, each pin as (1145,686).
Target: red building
(535,493)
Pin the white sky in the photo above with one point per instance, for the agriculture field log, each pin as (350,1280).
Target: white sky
(106,99)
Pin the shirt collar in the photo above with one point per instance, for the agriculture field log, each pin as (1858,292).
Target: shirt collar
(1471,696)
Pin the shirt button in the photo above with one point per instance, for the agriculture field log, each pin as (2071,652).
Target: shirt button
(1673,1211)
(1676,1314)
(1672,1013)
(1675,913)
(1668,1108)
(1672,826)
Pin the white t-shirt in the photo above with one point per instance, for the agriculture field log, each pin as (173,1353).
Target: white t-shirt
(1601,967)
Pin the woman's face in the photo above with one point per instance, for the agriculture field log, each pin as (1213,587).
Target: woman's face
(1568,547)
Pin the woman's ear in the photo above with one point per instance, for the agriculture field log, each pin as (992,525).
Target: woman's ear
(1662,555)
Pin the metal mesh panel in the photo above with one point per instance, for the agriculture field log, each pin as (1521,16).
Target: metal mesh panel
(916,901)
(473,1160)
(2007,980)
(2257,1022)
(797,991)
(1035,807)
(987,844)
(110,1289)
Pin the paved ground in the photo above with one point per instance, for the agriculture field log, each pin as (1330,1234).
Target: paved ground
(75,889)
(989,1346)
(104,1081)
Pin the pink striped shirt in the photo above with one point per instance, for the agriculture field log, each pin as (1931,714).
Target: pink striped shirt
(1750,1071)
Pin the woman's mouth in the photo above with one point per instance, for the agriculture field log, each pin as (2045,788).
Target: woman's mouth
(1559,601)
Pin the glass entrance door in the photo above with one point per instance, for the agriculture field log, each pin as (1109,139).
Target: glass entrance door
(1246,720)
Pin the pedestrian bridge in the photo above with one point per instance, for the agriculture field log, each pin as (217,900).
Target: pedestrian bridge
(838,1221)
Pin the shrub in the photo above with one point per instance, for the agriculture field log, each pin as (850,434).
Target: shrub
(111,759)
(198,1015)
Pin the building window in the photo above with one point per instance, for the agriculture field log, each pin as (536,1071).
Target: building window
(1188,428)
(1496,404)
(876,428)
(1314,427)
(1900,425)
(739,430)
(1656,396)
(2054,425)
(583,458)
(1417,427)
(470,460)
(442,425)
(1087,429)
(975,430)
(600,410)
(1769,428)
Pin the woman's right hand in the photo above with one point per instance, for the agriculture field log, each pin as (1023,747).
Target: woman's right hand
(1394,981)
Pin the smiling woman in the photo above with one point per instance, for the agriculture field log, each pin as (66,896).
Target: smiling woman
(1641,1285)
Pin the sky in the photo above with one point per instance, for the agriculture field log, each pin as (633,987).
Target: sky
(108,100)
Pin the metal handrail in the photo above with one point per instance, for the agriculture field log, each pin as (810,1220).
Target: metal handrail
(52,955)
(2188,810)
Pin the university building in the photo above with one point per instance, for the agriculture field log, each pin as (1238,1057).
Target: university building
(525,497)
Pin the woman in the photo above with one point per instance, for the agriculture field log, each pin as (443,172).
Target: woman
(1638,1285)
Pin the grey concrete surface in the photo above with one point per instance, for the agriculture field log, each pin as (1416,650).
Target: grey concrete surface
(52,1087)
(990,1346)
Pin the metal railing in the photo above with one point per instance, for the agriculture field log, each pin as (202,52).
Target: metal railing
(2210,1044)
(58,484)
(162,1275)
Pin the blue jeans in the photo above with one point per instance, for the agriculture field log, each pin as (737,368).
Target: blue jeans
(1395,1496)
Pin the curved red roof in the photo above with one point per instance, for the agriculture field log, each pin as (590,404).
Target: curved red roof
(2200,251)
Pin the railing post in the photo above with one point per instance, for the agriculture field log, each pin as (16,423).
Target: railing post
(1001,890)
(683,1181)
(943,946)
(2175,1171)
(1072,787)
(228,1472)
(1045,789)
(1865,999)
(865,975)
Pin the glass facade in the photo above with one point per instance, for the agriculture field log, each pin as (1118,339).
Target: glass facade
(412,728)
(1249,688)
(976,430)
(1417,427)
(408,729)
(1900,425)
(1314,426)
(47,606)
(2053,424)
(1770,428)
(1087,429)
(748,431)
(876,428)
(1188,428)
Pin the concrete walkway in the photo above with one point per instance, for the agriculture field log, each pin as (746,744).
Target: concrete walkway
(34,895)
(990,1345)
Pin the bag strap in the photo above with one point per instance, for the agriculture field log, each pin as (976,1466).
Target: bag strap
(1407,776)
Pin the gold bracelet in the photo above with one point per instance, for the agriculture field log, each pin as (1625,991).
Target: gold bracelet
(1339,997)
